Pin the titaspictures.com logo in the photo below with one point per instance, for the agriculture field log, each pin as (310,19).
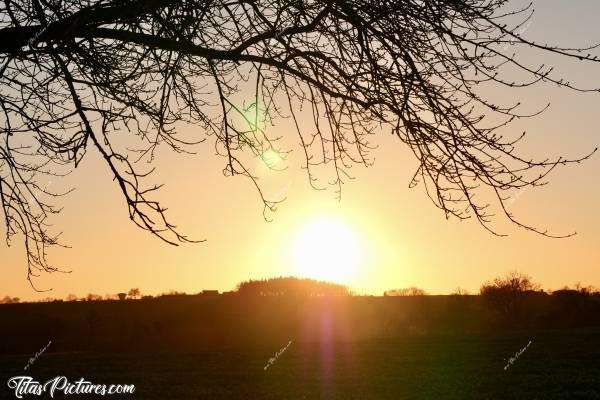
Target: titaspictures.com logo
(26,385)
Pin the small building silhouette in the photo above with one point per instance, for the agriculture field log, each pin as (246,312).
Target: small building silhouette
(210,293)
(122,296)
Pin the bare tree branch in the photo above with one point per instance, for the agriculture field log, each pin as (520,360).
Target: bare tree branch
(74,73)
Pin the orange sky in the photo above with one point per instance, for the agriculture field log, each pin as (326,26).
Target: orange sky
(404,239)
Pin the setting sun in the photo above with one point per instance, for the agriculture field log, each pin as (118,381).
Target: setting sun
(326,249)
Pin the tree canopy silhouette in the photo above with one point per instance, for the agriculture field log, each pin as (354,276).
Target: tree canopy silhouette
(76,74)
(291,286)
(506,294)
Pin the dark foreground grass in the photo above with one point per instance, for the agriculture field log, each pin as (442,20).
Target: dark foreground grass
(557,365)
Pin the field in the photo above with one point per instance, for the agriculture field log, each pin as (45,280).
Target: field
(558,364)
(555,366)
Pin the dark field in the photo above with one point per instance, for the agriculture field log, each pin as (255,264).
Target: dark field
(555,366)
(394,364)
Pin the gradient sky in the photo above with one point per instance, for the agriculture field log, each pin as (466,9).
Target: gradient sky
(405,240)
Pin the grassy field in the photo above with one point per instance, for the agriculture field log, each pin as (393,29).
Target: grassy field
(557,365)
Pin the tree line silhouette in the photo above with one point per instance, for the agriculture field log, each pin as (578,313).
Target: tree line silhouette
(505,294)
(291,286)
(275,310)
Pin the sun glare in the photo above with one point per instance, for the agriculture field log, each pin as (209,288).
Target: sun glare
(326,249)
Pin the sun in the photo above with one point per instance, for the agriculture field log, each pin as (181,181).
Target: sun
(326,248)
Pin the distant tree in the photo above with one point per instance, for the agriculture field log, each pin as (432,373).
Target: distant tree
(134,293)
(409,291)
(173,293)
(10,300)
(574,304)
(585,290)
(47,300)
(506,294)
(81,76)
(566,293)
(71,297)
(460,292)
(579,296)
(93,297)
(122,296)
(291,286)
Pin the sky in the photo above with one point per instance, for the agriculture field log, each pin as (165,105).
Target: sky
(398,237)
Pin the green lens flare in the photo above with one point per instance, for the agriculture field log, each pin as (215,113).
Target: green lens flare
(250,117)
(271,158)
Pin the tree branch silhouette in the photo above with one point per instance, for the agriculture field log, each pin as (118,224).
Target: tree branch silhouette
(76,73)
